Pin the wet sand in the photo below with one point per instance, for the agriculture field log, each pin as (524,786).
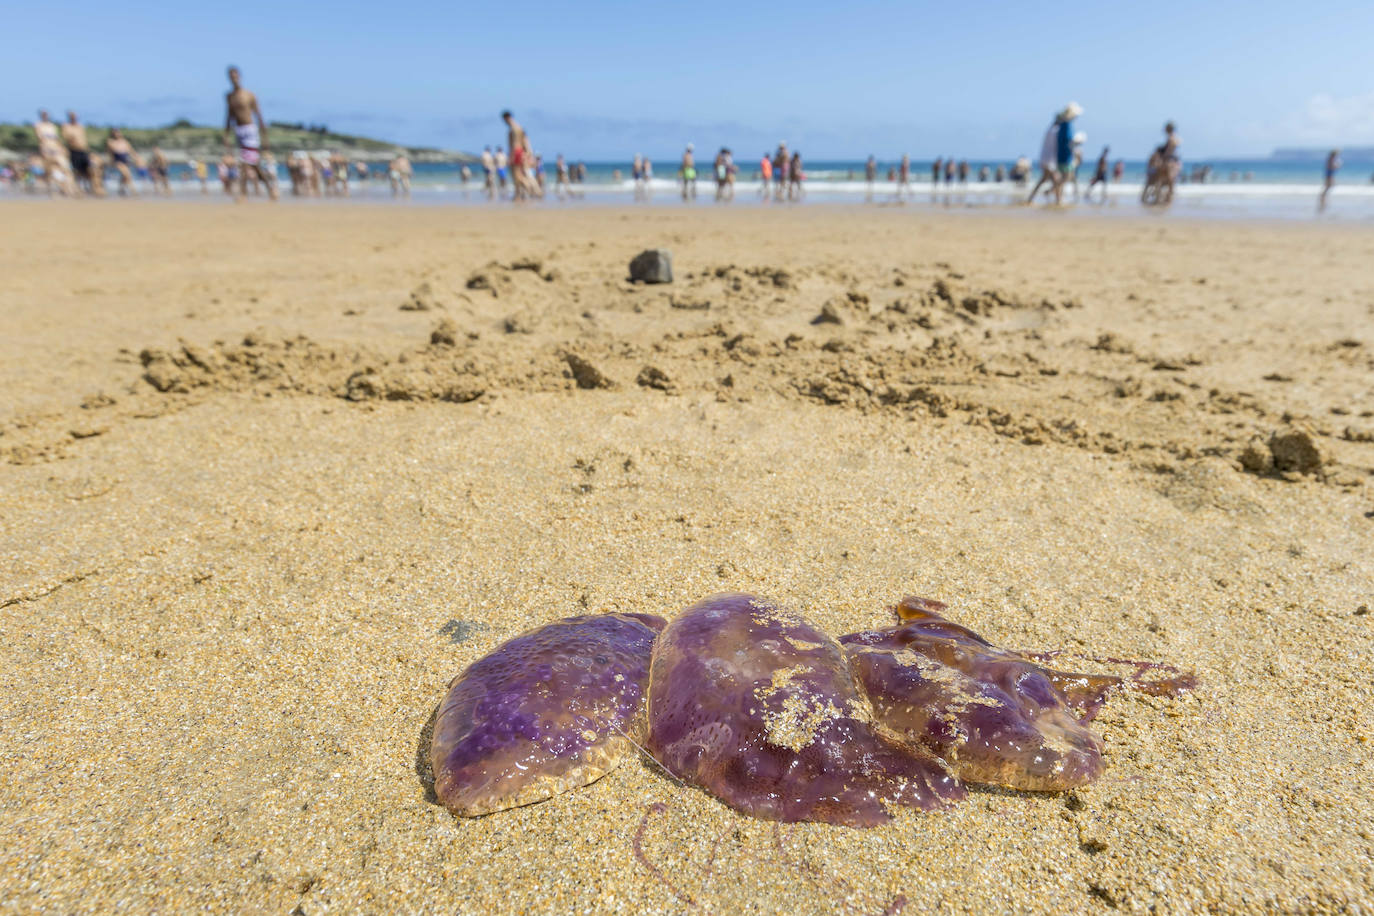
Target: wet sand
(270,477)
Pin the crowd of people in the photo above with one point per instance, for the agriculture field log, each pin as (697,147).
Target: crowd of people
(521,171)
(67,163)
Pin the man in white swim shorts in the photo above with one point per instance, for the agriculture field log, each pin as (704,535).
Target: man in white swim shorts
(244,123)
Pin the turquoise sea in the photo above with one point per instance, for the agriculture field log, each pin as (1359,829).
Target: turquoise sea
(1236,188)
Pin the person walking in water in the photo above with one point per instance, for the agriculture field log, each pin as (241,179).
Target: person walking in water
(782,163)
(122,153)
(243,122)
(518,143)
(687,172)
(488,172)
(561,185)
(870,175)
(1056,153)
(1333,165)
(1099,176)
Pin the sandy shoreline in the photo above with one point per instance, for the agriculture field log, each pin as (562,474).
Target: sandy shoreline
(234,583)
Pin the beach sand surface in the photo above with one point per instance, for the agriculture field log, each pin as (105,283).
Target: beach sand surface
(270,477)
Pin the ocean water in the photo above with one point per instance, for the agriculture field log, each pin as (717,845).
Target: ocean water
(1239,188)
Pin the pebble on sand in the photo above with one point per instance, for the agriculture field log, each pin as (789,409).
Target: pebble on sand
(654,265)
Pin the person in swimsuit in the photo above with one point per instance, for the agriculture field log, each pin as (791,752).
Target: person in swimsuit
(936,170)
(1173,162)
(518,141)
(488,171)
(781,163)
(54,156)
(765,174)
(400,176)
(871,175)
(795,176)
(122,154)
(243,122)
(1333,165)
(560,176)
(79,154)
(687,172)
(1099,176)
(338,162)
(501,174)
(158,169)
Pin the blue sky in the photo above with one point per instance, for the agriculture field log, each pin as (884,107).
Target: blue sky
(599,80)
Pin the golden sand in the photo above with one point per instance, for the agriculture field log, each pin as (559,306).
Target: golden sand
(270,477)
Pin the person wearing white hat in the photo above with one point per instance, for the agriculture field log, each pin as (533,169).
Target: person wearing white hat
(1056,153)
(1049,160)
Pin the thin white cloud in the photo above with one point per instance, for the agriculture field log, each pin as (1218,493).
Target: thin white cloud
(1327,119)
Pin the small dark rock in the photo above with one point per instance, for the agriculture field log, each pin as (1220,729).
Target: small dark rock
(830,314)
(585,374)
(1296,450)
(654,377)
(445,333)
(459,630)
(654,265)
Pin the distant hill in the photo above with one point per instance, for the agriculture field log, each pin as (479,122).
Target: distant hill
(184,140)
(1319,155)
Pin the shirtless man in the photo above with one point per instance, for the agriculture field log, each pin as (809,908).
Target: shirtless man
(338,164)
(158,168)
(488,171)
(79,154)
(243,122)
(517,141)
(400,176)
(781,163)
(687,171)
(561,182)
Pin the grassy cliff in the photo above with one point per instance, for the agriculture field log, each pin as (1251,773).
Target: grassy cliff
(184,140)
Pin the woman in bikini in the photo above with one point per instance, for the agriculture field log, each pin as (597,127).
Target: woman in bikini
(122,154)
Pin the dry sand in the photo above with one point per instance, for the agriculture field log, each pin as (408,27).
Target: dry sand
(255,513)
